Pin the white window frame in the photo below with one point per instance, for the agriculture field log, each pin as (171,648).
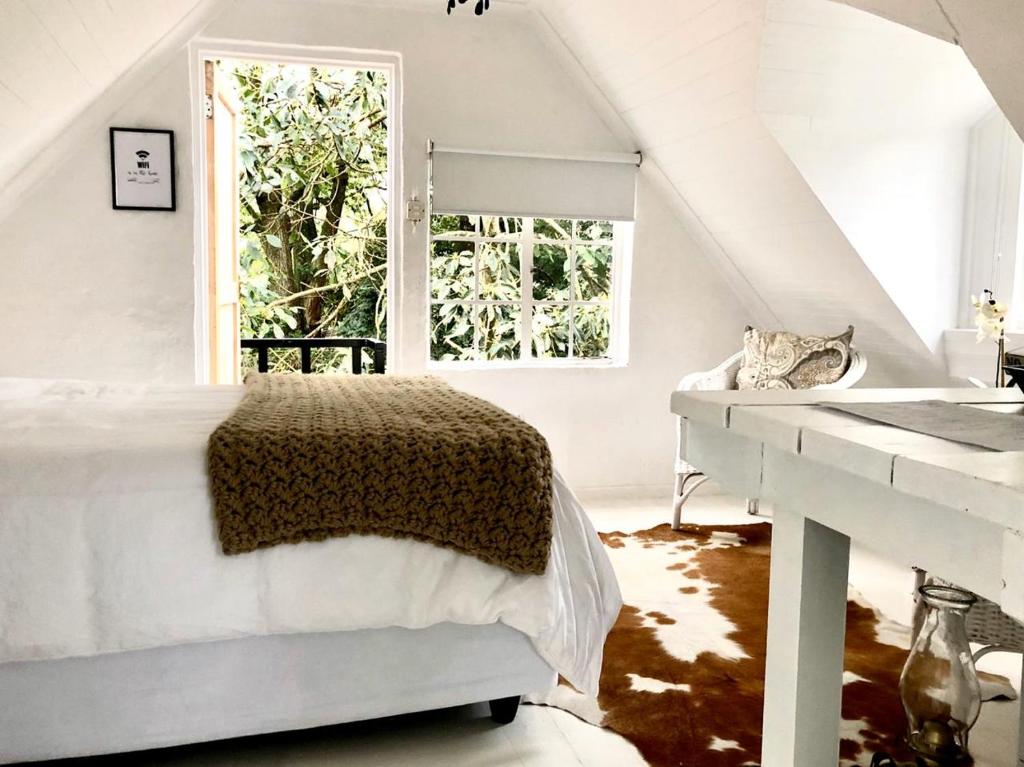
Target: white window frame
(618,343)
(203,49)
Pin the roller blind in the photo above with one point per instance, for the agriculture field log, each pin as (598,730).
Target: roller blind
(492,183)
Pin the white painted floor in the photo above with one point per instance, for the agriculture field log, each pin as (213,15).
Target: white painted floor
(542,737)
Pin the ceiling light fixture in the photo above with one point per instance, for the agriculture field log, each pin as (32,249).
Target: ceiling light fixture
(478,9)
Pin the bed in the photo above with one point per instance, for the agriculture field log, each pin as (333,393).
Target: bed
(123,626)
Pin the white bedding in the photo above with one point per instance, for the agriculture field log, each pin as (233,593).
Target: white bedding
(108,545)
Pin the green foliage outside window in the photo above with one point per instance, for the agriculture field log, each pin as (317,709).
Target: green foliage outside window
(313,207)
(477,283)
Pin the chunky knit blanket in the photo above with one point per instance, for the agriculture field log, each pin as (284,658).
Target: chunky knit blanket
(307,457)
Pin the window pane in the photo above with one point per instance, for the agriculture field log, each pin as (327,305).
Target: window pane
(499,271)
(552,228)
(461,226)
(451,332)
(550,332)
(591,332)
(499,332)
(593,278)
(551,272)
(451,270)
(478,259)
(592,231)
(501,227)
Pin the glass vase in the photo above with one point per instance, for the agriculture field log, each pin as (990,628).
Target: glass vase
(939,685)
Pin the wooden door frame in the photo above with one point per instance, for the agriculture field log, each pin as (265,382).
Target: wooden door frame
(203,49)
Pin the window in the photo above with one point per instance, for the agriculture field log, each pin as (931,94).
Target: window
(519,289)
(993,254)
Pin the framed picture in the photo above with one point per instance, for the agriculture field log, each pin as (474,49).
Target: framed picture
(142,169)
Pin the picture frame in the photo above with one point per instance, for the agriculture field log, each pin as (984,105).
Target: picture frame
(142,169)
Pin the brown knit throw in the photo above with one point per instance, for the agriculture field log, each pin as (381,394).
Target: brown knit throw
(307,457)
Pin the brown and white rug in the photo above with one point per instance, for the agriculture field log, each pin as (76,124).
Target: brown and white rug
(683,676)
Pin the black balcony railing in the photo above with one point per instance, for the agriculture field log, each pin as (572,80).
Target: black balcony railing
(262,347)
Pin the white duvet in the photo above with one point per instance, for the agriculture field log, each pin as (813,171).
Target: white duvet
(107,544)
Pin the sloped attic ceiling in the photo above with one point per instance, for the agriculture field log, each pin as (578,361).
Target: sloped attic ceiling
(56,56)
(683,75)
(991,32)
(877,117)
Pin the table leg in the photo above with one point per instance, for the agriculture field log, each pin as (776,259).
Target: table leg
(806,634)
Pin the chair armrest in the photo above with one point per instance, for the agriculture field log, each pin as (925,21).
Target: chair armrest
(721,378)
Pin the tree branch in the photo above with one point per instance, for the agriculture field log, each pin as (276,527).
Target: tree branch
(323,288)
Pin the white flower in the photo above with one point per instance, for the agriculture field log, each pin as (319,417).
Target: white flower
(989,317)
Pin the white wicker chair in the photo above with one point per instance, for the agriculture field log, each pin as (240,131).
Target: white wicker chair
(723,378)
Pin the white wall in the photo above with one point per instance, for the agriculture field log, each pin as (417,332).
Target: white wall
(684,77)
(877,117)
(94,293)
(610,427)
(108,294)
(57,57)
(991,32)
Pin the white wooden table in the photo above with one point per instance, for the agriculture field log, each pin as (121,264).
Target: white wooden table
(954,510)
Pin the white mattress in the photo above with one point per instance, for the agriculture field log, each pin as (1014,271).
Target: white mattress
(108,545)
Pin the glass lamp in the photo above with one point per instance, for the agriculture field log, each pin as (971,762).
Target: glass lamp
(939,685)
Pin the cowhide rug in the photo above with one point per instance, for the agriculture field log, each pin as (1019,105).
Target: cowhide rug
(683,675)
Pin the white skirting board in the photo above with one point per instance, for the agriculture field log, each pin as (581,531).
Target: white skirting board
(215,690)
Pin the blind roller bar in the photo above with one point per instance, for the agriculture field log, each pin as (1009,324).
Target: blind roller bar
(624,158)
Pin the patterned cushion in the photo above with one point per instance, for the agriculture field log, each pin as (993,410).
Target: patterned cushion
(775,359)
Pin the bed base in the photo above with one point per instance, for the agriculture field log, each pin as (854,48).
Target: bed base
(215,690)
